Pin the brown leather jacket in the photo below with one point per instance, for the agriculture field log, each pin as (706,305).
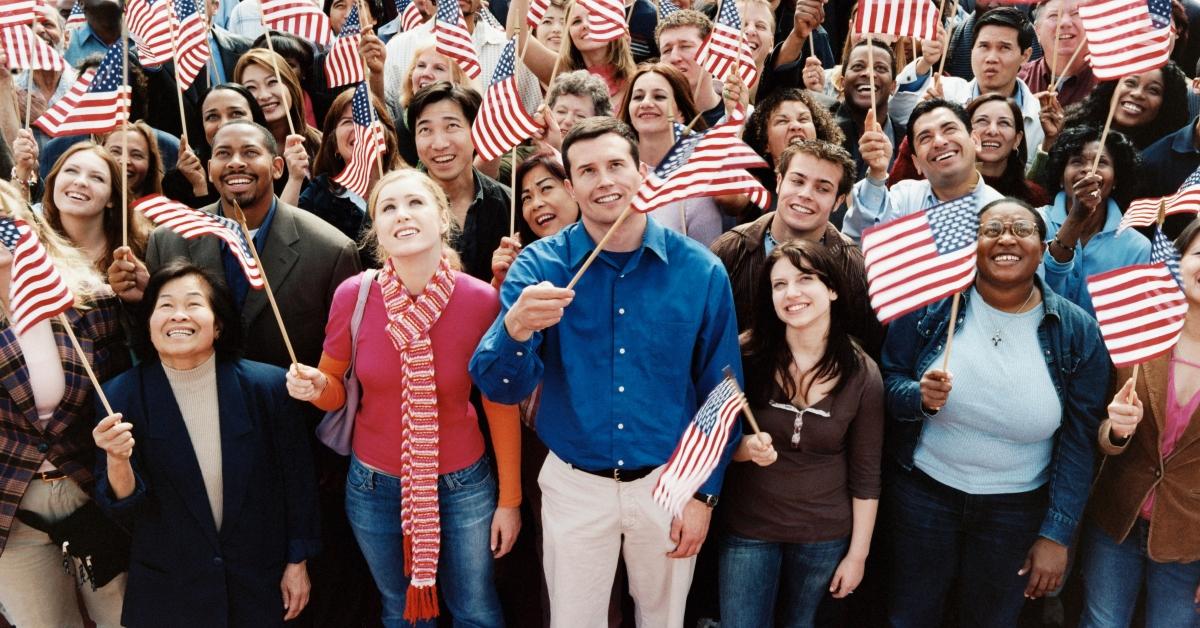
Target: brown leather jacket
(741,251)
(1130,471)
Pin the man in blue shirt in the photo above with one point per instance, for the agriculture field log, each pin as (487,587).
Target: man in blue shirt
(624,361)
(103,29)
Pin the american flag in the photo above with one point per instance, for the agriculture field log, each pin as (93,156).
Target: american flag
(149,23)
(343,65)
(726,49)
(1141,307)
(711,163)
(191,41)
(700,448)
(76,18)
(191,223)
(666,7)
(921,258)
(453,40)
(1127,36)
(97,103)
(902,18)
(502,122)
(17,12)
(410,15)
(1144,211)
(369,145)
(301,18)
(37,290)
(537,11)
(27,51)
(605,19)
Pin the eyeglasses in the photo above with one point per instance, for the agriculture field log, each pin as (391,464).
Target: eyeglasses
(1020,228)
(798,423)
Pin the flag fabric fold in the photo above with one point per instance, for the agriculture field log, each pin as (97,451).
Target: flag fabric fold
(726,49)
(369,145)
(343,66)
(301,18)
(97,103)
(149,23)
(17,12)
(901,18)
(700,448)
(410,15)
(921,258)
(537,11)
(1127,36)
(1141,308)
(191,41)
(502,121)
(191,223)
(453,40)
(36,290)
(1144,211)
(27,51)
(605,20)
(76,18)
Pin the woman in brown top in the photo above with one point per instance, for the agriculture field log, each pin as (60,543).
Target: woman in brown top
(801,516)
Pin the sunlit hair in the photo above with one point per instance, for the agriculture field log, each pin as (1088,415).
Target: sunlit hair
(685,106)
(742,4)
(76,269)
(270,61)
(152,184)
(457,76)
(408,177)
(329,161)
(619,54)
(138,225)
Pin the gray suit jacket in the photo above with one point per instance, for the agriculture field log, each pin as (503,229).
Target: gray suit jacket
(305,259)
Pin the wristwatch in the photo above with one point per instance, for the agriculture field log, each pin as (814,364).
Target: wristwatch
(706,499)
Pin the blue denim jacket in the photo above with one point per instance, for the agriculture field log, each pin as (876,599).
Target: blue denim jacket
(1079,367)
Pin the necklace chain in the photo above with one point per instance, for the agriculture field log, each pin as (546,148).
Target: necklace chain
(997,336)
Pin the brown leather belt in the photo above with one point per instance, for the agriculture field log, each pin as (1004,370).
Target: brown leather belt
(49,476)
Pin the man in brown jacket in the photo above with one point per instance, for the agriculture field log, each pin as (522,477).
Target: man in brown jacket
(814,178)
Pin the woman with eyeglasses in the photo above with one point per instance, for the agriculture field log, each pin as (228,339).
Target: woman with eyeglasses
(800,500)
(994,452)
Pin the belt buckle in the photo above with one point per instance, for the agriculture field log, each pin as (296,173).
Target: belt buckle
(41,475)
(617,475)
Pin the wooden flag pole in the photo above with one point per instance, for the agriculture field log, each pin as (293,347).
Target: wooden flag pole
(949,35)
(1054,49)
(559,56)
(124,140)
(1112,109)
(1162,217)
(278,78)
(600,246)
(745,403)
(62,318)
(950,331)
(812,44)
(1057,84)
(241,218)
(178,81)
(871,72)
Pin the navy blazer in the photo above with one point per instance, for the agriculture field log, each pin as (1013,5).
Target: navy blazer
(183,571)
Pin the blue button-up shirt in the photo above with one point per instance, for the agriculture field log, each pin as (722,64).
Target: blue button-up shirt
(1167,162)
(85,43)
(1107,250)
(633,358)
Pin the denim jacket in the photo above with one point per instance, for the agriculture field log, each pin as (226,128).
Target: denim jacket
(1079,367)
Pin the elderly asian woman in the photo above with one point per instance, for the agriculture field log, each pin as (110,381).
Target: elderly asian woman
(208,467)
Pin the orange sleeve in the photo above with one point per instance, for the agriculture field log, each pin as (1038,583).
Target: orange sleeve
(505,424)
(334,395)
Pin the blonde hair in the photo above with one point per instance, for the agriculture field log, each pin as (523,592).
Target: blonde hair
(449,228)
(620,55)
(457,76)
(76,269)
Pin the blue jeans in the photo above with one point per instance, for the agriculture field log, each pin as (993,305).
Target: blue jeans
(1113,574)
(467,501)
(941,534)
(754,574)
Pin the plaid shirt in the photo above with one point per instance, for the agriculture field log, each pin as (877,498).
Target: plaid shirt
(67,440)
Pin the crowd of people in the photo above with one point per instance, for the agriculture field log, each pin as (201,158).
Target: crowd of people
(496,410)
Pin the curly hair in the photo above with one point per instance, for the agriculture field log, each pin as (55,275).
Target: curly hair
(756,128)
(1126,159)
(1172,115)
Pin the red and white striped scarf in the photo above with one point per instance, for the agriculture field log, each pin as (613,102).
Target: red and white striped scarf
(409,322)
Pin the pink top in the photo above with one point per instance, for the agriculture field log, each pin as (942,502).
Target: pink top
(1178,418)
(608,72)
(472,308)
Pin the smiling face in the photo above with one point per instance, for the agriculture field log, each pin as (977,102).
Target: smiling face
(578,30)
(1080,164)
(800,297)
(430,67)
(183,326)
(604,178)
(807,193)
(550,30)
(270,93)
(1070,32)
(138,163)
(408,221)
(545,203)
(791,121)
(443,138)
(679,47)
(571,108)
(83,187)
(756,24)
(996,58)
(943,149)
(1007,260)
(221,106)
(1189,271)
(338,12)
(242,168)
(995,131)
(1139,99)
(857,78)
(652,105)
(45,26)
(344,134)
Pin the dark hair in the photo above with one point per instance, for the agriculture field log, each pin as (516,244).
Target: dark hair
(1014,171)
(1126,161)
(824,151)
(228,343)
(1172,114)
(200,145)
(373,6)
(466,98)
(1008,17)
(1187,236)
(267,138)
(681,93)
(931,105)
(291,48)
(328,160)
(139,94)
(1012,200)
(879,46)
(766,358)
(555,169)
(756,126)
(590,128)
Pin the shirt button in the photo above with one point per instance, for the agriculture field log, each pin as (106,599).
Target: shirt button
(620,426)
(620,463)
(218,561)
(620,389)
(621,311)
(43,447)
(621,350)
(505,380)
(520,353)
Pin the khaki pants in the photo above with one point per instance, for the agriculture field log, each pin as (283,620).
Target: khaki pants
(35,590)
(587,522)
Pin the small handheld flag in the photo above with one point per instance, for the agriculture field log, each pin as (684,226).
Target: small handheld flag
(1144,211)
(37,290)
(301,18)
(726,48)
(901,18)
(27,51)
(605,19)
(191,41)
(453,40)
(343,66)
(97,103)
(1127,36)
(76,18)
(369,145)
(149,23)
(410,15)
(191,223)
(502,122)
(17,12)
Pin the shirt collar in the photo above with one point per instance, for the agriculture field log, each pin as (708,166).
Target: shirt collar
(931,199)
(1018,93)
(1112,217)
(580,244)
(1181,140)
